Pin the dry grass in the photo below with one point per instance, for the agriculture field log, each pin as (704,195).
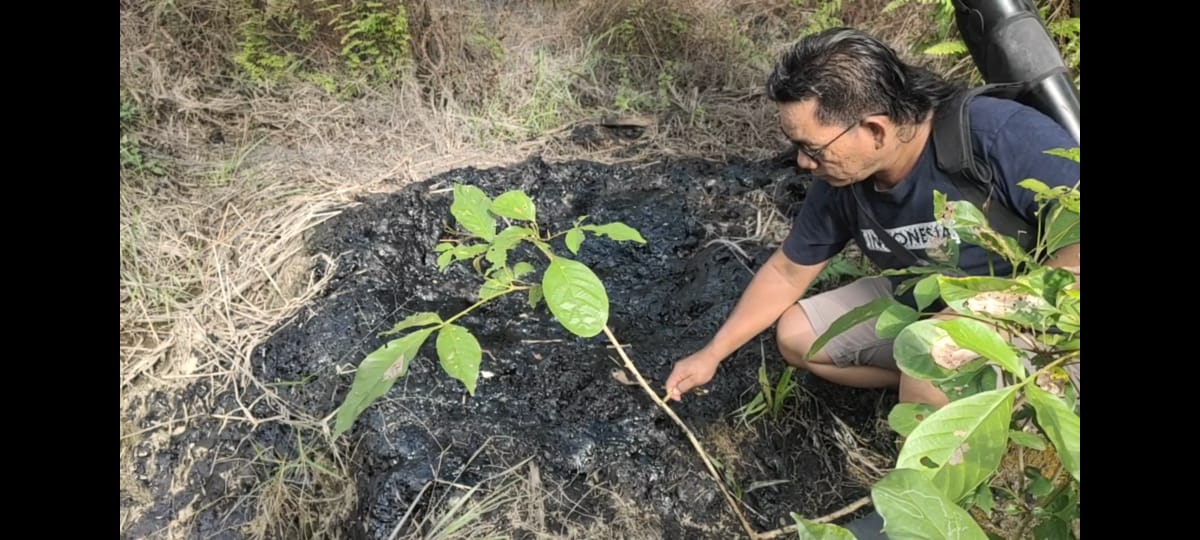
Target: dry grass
(515,501)
(212,250)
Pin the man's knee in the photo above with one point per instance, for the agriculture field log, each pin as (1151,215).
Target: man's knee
(794,336)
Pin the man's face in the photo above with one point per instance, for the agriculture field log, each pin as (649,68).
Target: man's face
(839,154)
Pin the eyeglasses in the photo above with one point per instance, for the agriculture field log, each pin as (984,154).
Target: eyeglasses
(816,154)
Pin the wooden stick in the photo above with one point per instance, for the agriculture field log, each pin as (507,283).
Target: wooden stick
(849,509)
(692,437)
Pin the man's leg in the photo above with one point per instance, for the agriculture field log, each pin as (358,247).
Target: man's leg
(921,391)
(858,357)
(795,337)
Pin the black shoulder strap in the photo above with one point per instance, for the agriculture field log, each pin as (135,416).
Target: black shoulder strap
(971,174)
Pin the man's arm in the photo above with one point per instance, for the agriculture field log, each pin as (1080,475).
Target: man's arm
(775,287)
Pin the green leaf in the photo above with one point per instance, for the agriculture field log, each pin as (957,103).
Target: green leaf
(460,253)
(1065,505)
(535,295)
(470,208)
(894,319)
(920,270)
(912,350)
(444,260)
(1052,527)
(522,269)
(851,319)
(1060,424)
(442,247)
(998,298)
(839,267)
(961,444)
(1028,440)
(1006,246)
(376,375)
(1065,28)
(1068,153)
(574,240)
(497,254)
(617,231)
(984,499)
(1039,486)
(784,385)
(492,288)
(905,416)
(576,297)
(1062,229)
(926,292)
(893,5)
(515,205)
(1039,188)
(973,335)
(503,275)
(811,530)
(912,508)
(417,319)
(966,220)
(1051,282)
(945,250)
(968,382)
(460,355)
(1068,306)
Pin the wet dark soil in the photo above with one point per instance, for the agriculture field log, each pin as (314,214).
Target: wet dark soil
(546,394)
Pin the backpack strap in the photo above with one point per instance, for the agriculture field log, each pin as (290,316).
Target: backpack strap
(973,175)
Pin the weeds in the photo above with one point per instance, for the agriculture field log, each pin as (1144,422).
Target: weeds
(131,149)
(305,496)
(771,398)
(288,38)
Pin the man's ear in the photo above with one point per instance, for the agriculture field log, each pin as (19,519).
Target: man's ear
(878,131)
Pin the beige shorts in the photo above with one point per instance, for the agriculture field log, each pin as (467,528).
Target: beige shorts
(859,346)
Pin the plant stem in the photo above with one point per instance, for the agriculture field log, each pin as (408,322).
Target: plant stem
(479,303)
(1048,367)
(828,518)
(1061,487)
(691,437)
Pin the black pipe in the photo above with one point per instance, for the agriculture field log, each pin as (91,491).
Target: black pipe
(1010,43)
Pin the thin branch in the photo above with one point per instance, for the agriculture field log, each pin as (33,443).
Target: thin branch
(828,518)
(691,437)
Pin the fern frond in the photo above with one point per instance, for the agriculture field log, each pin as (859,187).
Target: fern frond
(894,4)
(1068,28)
(947,48)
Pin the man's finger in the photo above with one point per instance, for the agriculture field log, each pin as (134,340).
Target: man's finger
(680,389)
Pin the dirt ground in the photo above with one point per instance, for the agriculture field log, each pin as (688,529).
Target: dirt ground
(269,231)
(548,401)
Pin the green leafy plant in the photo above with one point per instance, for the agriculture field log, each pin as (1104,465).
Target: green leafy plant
(571,291)
(375,38)
(568,287)
(840,270)
(771,398)
(826,16)
(292,40)
(1007,394)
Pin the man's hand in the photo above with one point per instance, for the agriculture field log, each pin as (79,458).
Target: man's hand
(695,370)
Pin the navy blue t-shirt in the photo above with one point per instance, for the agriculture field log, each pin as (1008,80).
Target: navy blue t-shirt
(1011,135)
